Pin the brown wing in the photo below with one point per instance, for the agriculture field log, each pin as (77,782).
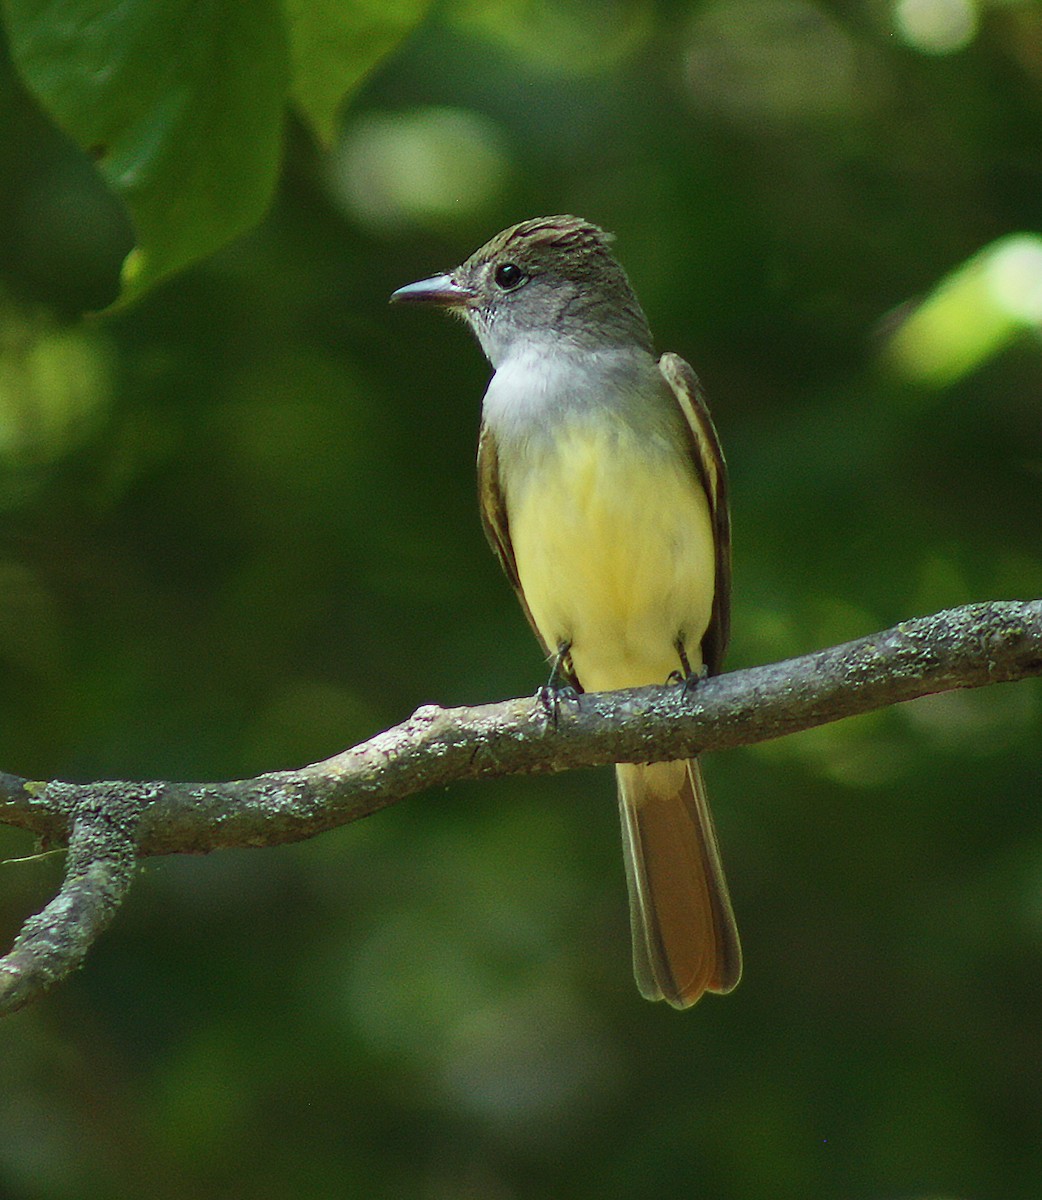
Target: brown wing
(708,459)
(497,530)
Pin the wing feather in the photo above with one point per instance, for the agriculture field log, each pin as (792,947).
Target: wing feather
(708,459)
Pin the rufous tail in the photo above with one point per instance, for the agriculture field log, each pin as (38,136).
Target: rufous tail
(685,941)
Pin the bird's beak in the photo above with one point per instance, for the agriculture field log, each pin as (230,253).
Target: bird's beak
(442,290)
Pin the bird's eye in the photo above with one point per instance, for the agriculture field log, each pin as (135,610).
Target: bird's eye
(509,276)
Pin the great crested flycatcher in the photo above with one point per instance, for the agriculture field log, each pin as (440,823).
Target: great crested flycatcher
(604,495)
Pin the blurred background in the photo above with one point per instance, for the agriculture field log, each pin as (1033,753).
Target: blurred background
(238,532)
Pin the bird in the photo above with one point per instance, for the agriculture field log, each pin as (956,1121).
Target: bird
(603,493)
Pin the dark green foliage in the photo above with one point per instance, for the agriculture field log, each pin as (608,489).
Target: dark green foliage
(239,532)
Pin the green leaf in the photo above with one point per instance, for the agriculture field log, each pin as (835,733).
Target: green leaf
(973,314)
(180,102)
(335,44)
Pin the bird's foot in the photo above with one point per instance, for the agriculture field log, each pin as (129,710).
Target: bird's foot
(687,678)
(558,687)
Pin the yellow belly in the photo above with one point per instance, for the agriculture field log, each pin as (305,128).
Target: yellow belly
(614,547)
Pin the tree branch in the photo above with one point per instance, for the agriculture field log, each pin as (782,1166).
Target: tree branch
(99,870)
(108,825)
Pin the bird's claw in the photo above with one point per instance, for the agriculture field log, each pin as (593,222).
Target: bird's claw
(689,678)
(556,687)
(550,697)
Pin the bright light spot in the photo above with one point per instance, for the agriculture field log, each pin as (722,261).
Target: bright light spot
(1015,276)
(55,388)
(936,26)
(430,167)
(774,61)
(973,314)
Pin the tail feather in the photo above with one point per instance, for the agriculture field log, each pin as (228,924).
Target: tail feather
(685,941)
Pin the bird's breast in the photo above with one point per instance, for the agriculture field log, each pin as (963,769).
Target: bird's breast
(613,540)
